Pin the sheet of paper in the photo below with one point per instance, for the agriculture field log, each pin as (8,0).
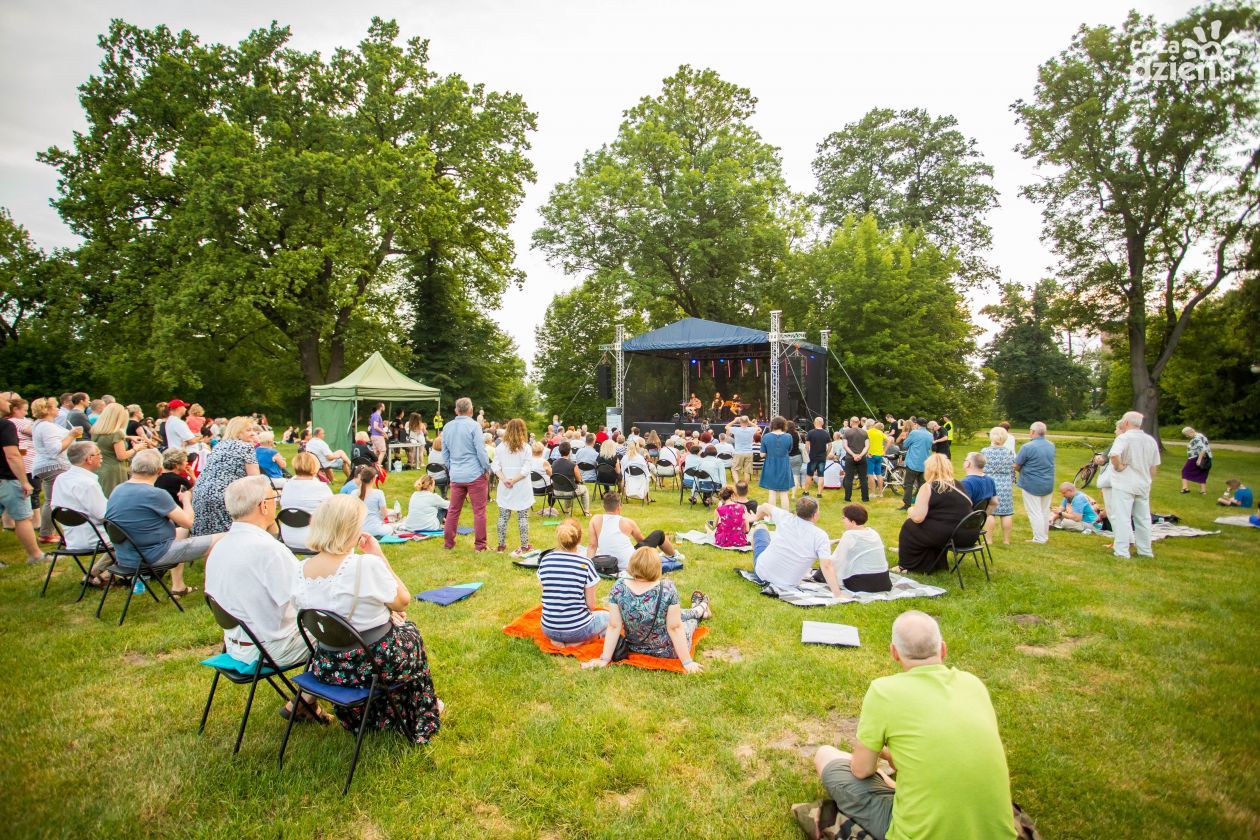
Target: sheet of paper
(827,633)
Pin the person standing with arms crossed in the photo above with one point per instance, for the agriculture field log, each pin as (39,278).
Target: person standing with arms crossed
(468,466)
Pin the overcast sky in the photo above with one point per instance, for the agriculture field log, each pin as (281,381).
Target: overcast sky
(812,66)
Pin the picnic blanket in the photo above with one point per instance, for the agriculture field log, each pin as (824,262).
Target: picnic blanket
(809,593)
(403,537)
(705,538)
(1240,519)
(1163,530)
(447,595)
(413,534)
(529,626)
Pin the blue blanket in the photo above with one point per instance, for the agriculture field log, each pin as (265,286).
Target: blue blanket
(447,595)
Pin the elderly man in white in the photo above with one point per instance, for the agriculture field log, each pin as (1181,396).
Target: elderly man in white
(79,489)
(328,459)
(1134,462)
(252,575)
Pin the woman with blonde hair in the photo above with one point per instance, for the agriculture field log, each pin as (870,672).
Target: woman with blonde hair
(999,465)
(938,508)
(51,442)
(515,494)
(302,492)
(109,433)
(568,579)
(648,608)
(426,509)
(234,457)
(361,587)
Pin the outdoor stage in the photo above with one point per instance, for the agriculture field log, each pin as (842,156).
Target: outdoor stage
(771,373)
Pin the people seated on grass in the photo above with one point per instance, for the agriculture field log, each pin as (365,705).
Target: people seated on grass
(648,609)
(859,559)
(563,466)
(938,507)
(302,492)
(980,488)
(729,524)
(568,583)
(741,497)
(328,459)
(786,558)
(362,486)
(936,728)
(539,466)
(79,489)
(361,587)
(614,535)
(252,576)
(150,518)
(426,510)
(1237,494)
(515,493)
(270,462)
(636,486)
(1076,512)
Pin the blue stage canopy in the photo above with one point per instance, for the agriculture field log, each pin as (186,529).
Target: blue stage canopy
(698,334)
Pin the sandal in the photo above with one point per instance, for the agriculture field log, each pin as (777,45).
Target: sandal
(305,715)
(180,593)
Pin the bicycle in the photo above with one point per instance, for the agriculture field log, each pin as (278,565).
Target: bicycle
(1086,474)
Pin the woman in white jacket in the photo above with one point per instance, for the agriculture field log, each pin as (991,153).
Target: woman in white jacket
(511,464)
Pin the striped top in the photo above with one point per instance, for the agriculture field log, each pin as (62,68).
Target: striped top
(565,578)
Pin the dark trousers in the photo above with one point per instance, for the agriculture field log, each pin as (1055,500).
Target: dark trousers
(914,480)
(656,539)
(855,470)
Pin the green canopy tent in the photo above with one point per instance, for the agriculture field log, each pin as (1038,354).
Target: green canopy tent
(334,407)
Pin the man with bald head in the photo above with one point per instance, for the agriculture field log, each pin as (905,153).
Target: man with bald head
(936,728)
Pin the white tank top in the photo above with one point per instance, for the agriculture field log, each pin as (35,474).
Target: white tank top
(613,541)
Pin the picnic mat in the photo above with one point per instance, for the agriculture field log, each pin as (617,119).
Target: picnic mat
(401,537)
(446,595)
(705,538)
(1240,519)
(809,593)
(529,626)
(411,534)
(1163,530)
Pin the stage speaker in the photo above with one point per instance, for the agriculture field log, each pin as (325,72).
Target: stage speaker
(603,379)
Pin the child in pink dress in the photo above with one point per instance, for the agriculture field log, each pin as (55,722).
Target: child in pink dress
(730,520)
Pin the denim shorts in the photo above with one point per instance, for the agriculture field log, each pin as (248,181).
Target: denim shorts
(593,628)
(13,501)
(817,468)
(874,464)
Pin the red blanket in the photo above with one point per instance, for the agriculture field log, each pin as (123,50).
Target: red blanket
(529,626)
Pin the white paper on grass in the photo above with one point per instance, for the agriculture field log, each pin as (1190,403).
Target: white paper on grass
(827,633)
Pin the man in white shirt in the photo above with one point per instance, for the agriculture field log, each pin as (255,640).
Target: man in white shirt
(787,557)
(724,446)
(1134,462)
(178,435)
(79,489)
(328,459)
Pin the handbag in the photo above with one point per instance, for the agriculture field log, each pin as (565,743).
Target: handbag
(605,565)
(622,650)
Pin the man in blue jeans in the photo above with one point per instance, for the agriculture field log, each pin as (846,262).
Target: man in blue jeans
(468,465)
(918,447)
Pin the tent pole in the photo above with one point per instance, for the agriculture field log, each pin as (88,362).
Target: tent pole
(776,321)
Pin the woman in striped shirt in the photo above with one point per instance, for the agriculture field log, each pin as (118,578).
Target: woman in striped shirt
(568,590)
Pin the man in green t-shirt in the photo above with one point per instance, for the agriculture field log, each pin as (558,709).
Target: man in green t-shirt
(936,728)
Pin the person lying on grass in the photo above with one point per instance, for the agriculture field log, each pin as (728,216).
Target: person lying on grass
(648,608)
(936,728)
(568,590)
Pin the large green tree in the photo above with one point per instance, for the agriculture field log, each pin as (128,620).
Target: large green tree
(910,168)
(268,198)
(687,206)
(1152,182)
(1035,379)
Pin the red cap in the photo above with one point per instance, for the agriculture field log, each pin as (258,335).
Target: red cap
(176,403)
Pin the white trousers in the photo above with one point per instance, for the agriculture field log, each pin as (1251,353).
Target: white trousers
(1130,516)
(1038,509)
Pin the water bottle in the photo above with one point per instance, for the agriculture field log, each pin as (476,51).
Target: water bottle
(137,588)
(397,509)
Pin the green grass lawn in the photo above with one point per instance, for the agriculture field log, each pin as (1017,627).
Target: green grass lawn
(1128,706)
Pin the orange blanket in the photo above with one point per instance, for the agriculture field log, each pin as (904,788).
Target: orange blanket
(529,626)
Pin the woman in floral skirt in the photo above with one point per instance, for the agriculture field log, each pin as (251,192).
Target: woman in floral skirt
(363,589)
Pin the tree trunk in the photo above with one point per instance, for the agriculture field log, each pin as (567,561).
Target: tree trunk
(1145,388)
(308,354)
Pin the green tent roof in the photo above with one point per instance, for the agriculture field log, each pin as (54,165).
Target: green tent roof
(375,379)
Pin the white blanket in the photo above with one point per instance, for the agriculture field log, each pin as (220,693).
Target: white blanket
(810,593)
(1241,519)
(705,538)
(1163,530)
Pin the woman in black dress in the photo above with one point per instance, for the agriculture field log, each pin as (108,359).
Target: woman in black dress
(938,508)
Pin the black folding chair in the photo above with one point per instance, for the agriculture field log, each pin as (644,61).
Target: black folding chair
(145,572)
(666,470)
(984,532)
(542,490)
(295,518)
(440,478)
(264,668)
(333,631)
(564,489)
(697,477)
(606,479)
(62,518)
(972,522)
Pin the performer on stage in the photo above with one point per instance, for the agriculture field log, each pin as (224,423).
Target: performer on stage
(715,407)
(693,406)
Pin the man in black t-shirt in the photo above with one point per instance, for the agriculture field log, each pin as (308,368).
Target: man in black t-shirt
(857,444)
(818,439)
(563,466)
(15,488)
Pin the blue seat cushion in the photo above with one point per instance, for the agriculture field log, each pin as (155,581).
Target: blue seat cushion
(227,662)
(341,695)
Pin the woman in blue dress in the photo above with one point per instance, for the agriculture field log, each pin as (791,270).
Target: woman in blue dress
(776,472)
(999,465)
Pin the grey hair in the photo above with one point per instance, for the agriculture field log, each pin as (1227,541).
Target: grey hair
(916,635)
(463,405)
(146,462)
(1134,418)
(977,459)
(80,452)
(245,494)
(1038,428)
